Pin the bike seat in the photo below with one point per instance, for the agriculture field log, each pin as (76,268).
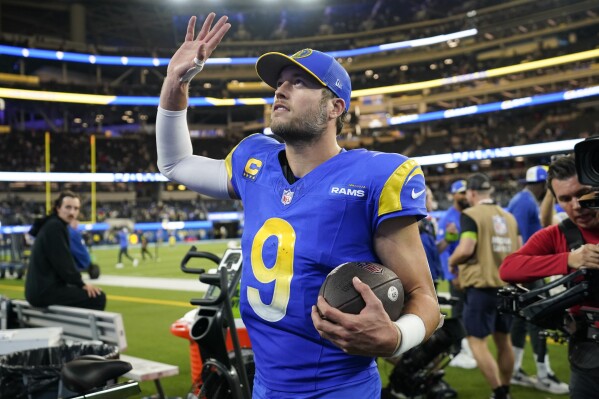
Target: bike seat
(91,371)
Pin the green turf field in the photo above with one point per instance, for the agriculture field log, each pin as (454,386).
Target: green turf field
(149,313)
(167,263)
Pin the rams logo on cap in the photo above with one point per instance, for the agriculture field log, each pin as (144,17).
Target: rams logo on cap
(302,53)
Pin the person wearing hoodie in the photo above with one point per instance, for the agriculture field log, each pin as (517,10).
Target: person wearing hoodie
(52,276)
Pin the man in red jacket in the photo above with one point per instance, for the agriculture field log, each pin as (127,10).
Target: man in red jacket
(546,254)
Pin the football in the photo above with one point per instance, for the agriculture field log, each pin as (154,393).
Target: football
(338,289)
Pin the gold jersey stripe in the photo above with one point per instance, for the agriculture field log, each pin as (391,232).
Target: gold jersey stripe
(390,199)
(229,158)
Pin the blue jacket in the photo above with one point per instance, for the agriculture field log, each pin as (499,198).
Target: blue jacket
(451,216)
(79,250)
(123,239)
(427,235)
(525,209)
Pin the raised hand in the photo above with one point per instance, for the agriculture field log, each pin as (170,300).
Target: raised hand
(200,47)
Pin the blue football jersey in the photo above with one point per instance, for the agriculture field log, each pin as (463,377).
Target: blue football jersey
(525,209)
(294,235)
(451,216)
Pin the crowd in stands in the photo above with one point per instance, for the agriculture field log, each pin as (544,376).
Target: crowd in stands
(172,211)
(383,20)
(386,20)
(519,127)
(371,23)
(363,17)
(137,153)
(131,153)
(16,212)
(285,21)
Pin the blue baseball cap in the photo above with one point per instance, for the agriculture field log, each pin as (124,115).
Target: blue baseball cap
(536,174)
(324,68)
(458,186)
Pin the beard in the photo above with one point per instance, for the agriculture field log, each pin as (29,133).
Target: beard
(463,203)
(303,130)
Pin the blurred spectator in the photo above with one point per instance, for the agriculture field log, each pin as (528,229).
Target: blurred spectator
(123,238)
(52,276)
(488,235)
(447,241)
(427,229)
(143,239)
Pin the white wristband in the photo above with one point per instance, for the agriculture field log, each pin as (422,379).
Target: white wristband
(412,331)
(193,71)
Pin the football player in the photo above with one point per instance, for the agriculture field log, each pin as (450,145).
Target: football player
(309,206)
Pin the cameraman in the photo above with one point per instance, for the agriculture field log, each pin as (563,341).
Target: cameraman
(546,254)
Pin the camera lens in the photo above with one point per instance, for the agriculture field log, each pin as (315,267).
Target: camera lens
(593,164)
(587,161)
(590,167)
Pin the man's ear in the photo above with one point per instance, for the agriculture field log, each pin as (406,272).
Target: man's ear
(338,107)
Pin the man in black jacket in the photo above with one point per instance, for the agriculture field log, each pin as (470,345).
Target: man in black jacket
(52,277)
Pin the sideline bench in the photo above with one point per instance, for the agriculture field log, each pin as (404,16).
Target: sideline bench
(92,325)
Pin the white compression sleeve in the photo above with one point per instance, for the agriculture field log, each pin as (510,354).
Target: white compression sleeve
(177,162)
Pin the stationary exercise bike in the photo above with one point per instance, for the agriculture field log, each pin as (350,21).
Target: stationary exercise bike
(226,374)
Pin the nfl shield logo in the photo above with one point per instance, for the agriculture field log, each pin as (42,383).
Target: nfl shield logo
(499,225)
(371,267)
(287,197)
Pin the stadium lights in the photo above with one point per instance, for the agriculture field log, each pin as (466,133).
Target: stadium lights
(147,226)
(155,61)
(567,95)
(491,73)
(429,160)
(554,147)
(496,106)
(82,177)
(50,96)
(98,99)
(35,95)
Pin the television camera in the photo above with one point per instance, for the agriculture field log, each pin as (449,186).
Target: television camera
(548,311)
(587,168)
